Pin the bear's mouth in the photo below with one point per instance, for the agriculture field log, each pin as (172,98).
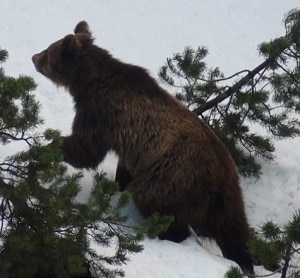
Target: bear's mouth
(40,70)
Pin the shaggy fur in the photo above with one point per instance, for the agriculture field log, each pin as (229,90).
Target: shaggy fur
(177,164)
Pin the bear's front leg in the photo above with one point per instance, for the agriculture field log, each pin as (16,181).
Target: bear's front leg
(123,176)
(82,152)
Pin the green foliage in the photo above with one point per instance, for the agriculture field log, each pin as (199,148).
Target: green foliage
(44,230)
(233,272)
(42,221)
(277,248)
(293,228)
(268,252)
(18,109)
(3,57)
(268,96)
(155,224)
(270,230)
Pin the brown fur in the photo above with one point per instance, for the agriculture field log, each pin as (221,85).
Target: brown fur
(177,164)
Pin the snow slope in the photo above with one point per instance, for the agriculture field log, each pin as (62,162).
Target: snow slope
(146,33)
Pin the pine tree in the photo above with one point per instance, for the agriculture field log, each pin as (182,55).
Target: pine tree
(277,248)
(268,95)
(44,230)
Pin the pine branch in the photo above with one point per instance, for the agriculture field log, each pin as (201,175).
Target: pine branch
(273,55)
(265,275)
(287,259)
(236,87)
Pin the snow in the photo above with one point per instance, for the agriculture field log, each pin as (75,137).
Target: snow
(146,33)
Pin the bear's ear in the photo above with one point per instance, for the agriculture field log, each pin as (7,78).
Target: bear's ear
(82,27)
(69,43)
(83,34)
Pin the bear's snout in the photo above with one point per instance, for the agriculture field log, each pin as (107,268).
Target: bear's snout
(35,59)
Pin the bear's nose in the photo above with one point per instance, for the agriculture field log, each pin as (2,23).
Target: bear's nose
(34,58)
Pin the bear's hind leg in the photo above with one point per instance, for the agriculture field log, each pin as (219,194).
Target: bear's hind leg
(234,248)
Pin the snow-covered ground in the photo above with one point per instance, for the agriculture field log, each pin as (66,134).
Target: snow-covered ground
(146,33)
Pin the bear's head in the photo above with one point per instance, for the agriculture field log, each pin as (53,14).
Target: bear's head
(59,60)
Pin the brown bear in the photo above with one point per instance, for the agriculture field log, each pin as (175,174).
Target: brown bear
(177,164)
